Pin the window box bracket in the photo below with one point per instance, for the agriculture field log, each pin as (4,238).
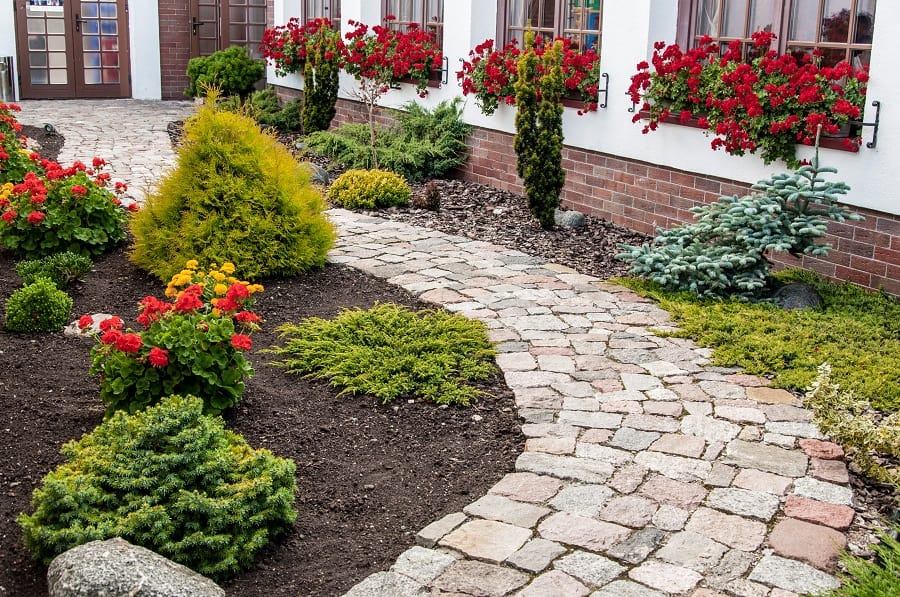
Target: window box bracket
(877,105)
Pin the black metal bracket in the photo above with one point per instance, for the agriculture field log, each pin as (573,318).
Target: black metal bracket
(445,71)
(633,107)
(604,91)
(871,144)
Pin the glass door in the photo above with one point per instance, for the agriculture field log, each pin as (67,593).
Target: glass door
(73,49)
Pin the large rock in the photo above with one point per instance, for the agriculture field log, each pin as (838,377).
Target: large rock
(568,218)
(798,295)
(114,568)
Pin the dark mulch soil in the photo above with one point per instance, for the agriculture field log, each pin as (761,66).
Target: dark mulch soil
(46,142)
(369,476)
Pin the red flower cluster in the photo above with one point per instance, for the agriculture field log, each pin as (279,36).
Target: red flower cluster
(490,74)
(287,46)
(768,104)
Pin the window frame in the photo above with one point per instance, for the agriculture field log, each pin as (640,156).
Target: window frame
(325,10)
(559,28)
(687,32)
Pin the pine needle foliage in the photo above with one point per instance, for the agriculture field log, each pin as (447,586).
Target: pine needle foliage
(236,195)
(391,352)
(857,331)
(320,78)
(873,578)
(369,189)
(61,268)
(425,144)
(169,479)
(725,251)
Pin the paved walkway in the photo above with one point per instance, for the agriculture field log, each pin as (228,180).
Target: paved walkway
(647,471)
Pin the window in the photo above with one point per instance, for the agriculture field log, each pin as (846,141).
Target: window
(839,29)
(426,13)
(578,20)
(323,9)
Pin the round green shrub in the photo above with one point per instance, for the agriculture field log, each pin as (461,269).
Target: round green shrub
(170,479)
(38,307)
(232,70)
(61,268)
(236,195)
(369,189)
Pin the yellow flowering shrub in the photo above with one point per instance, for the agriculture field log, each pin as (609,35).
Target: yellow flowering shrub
(369,189)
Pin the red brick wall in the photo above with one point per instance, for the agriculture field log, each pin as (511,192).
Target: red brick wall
(174,46)
(643,196)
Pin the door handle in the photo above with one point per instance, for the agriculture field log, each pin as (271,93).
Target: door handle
(78,22)
(195,25)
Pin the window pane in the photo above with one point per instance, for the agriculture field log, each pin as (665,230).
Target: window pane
(763,15)
(836,21)
(865,21)
(709,17)
(735,19)
(582,20)
(803,20)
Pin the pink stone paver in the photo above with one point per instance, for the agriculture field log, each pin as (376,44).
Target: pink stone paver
(816,545)
(833,515)
(816,448)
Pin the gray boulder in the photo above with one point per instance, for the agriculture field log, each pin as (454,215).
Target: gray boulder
(568,218)
(798,295)
(116,568)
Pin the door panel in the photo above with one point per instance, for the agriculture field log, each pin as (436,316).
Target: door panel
(218,24)
(75,49)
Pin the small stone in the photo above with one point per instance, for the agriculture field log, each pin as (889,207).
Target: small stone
(675,493)
(681,445)
(786,412)
(665,577)
(722,390)
(628,478)
(595,436)
(807,430)
(632,439)
(823,492)
(692,551)
(422,565)
(666,409)
(636,548)
(744,502)
(761,481)
(785,441)
(772,396)
(815,448)
(652,423)
(584,500)
(591,419)
(670,518)
(536,555)
(741,415)
(832,515)
(750,434)
(733,531)
(708,428)
(502,509)
(585,404)
(588,567)
(549,430)
(585,470)
(583,532)
(487,539)
(720,475)
(674,467)
(603,453)
(792,575)
(639,382)
(477,578)
(766,458)
(629,510)
(430,535)
(383,583)
(551,445)
(525,487)
(833,471)
(625,588)
(816,545)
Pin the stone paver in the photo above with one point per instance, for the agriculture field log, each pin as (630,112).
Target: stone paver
(681,458)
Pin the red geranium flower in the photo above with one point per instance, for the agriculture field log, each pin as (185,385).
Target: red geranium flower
(241,341)
(85,321)
(158,357)
(36,217)
(112,323)
(129,343)
(187,301)
(248,317)
(79,190)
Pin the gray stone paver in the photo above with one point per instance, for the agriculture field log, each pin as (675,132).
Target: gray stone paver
(584,365)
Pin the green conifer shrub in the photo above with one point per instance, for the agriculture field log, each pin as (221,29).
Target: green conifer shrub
(38,307)
(236,195)
(369,189)
(232,71)
(320,77)
(170,479)
(539,135)
(725,251)
(425,144)
(61,268)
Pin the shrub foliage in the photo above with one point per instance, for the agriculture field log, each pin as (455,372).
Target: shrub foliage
(725,251)
(236,195)
(170,479)
(426,143)
(232,70)
(391,352)
(38,307)
(60,268)
(369,189)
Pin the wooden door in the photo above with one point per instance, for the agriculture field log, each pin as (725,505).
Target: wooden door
(73,48)
(218,24)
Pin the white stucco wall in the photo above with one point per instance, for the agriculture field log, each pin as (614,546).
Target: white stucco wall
(8,37)
(629,31)
(143,31)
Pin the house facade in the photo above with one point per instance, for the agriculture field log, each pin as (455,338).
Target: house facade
(612,170)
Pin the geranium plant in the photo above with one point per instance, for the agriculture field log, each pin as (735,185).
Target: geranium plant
(193,343)
(766,105)
(15,158)
(285,46)
(490,73)
(63,209)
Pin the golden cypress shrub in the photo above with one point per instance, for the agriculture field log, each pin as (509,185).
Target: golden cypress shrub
(236,195)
